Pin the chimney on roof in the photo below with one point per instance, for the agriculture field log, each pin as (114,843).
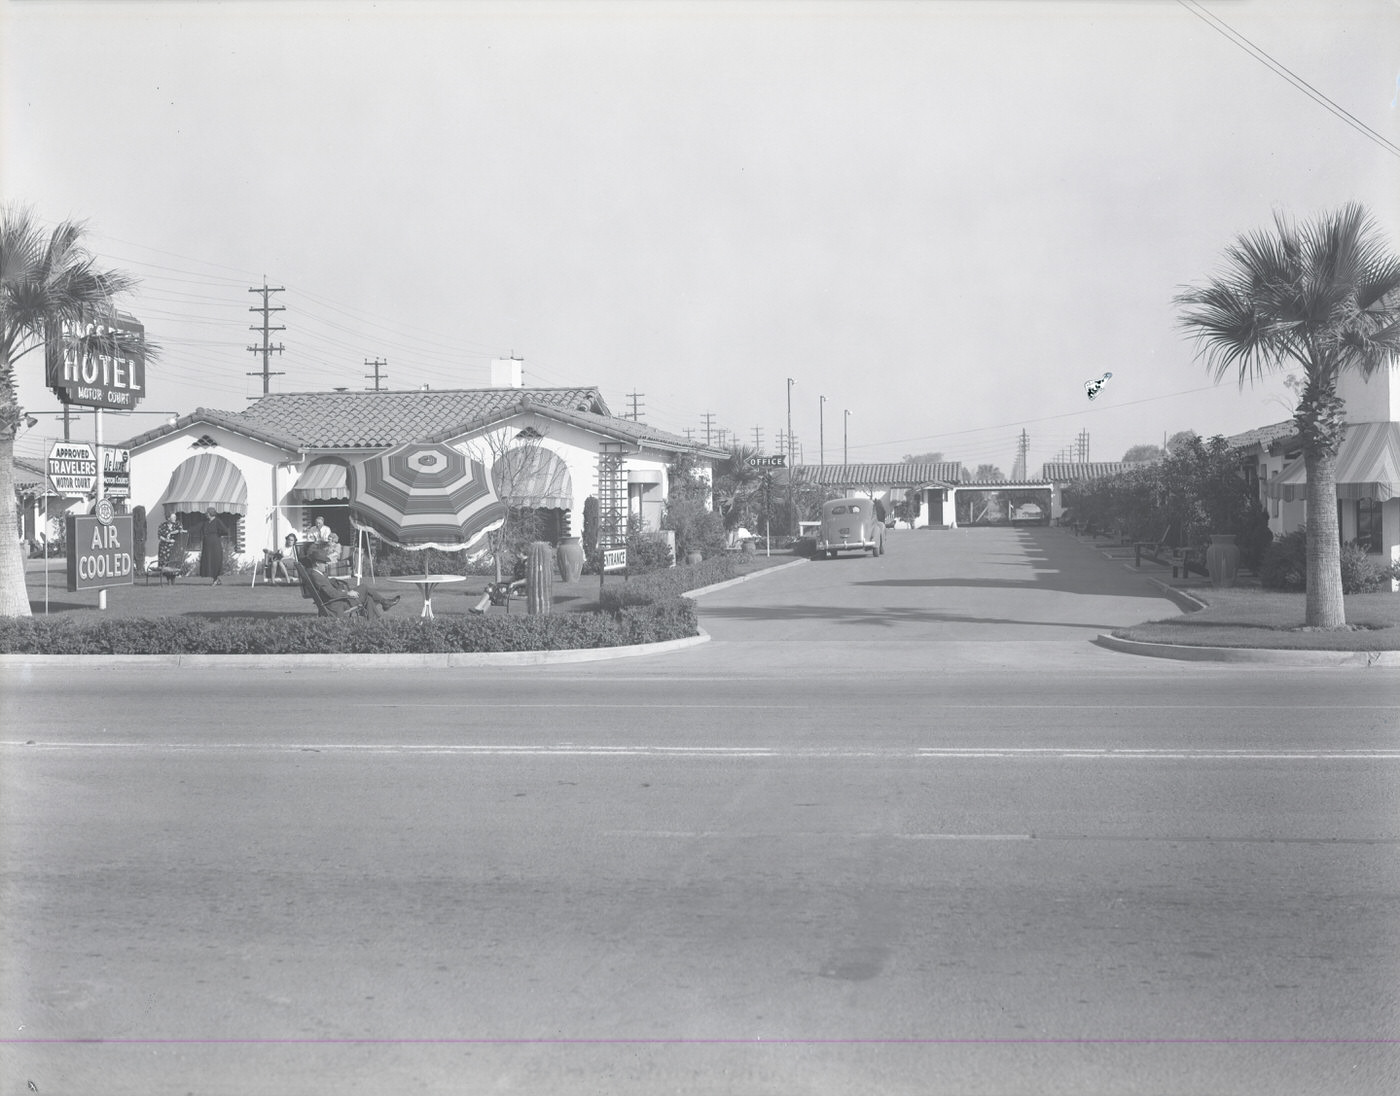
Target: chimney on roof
(508,372)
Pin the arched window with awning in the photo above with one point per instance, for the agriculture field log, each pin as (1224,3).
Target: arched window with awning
(206,480)
(533,477)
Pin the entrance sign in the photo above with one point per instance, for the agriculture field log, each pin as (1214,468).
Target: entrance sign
(73,468)
(779,461)
(614,559)
(99,553)
(99,365)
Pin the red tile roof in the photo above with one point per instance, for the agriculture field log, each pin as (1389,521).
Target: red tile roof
(347,420)
(893,474)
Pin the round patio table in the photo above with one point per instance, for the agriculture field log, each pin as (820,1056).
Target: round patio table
(427,583)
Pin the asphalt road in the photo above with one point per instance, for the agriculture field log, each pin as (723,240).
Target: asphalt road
(898,828)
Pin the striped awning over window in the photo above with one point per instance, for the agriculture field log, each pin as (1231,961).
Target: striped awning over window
(533,476)
(203,481)
(1368,466)
(325,479)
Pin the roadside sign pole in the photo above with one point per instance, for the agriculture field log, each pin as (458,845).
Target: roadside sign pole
(97,488)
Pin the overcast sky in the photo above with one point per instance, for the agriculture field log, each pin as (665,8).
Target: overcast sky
(943,217)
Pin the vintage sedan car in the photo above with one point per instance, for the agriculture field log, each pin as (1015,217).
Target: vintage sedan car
(850,525)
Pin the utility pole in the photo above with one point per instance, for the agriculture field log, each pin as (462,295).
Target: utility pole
(1023,444)
(758,439)
(636,413)
(709,417)
(267,348)
(790,383)
(690,433)
(1082,444)
(821,432)
(845,439)
(723,436)
(375,365)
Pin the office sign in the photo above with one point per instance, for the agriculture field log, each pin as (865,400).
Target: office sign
(100,550)
(73,468)
(779,461)
(98,365)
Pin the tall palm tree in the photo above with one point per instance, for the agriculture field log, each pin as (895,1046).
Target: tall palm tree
(47,279)
(1324,296)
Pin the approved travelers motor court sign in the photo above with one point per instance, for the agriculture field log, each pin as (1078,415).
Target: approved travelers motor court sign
(72,468)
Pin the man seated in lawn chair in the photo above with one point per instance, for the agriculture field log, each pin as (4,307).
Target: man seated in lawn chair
(335,598)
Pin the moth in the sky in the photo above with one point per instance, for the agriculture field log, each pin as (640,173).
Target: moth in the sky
(1092,388)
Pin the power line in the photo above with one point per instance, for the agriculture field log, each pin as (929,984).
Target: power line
(1225,30)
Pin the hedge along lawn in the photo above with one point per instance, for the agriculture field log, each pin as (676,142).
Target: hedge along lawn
(233,597)
(236,618)
(1269,619)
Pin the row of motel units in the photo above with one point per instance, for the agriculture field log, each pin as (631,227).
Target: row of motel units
(276,466)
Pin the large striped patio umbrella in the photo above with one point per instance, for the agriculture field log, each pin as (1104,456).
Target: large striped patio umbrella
(424,495)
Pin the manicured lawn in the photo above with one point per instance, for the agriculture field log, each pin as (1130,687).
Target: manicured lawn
(1245,617)
(234,597)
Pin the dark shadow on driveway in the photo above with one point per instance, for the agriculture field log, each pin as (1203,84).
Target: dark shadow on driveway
(1053,561)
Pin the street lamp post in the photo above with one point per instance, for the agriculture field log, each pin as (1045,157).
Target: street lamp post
(845,438)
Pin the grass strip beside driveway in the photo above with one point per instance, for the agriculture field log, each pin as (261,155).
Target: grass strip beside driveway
(1268,619)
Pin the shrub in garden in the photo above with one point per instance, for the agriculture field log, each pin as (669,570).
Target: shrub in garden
(647,552)
(1285,566)
(1285,563)
(662,586)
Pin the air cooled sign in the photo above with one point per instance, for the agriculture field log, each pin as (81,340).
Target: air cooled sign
(99,550)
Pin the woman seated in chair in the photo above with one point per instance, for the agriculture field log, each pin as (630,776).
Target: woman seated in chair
(275,560)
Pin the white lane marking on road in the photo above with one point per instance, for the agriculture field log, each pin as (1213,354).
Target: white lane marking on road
(826,702)
(790,752)
(707,834)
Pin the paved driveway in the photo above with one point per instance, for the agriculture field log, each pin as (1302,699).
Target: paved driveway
(977,595)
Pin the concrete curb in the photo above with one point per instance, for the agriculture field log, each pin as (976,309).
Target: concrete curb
(1272,656)
(703,590)
(1181,598)
(438,660)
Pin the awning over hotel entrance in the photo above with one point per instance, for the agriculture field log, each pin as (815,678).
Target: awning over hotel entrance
(206,480)
(1368,466)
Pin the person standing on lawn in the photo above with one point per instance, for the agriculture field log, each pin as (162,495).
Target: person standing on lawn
(169,537)
(211,547)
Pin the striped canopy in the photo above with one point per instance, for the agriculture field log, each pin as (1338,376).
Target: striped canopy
(322,481)
(532,476)
(1368,466)
(206,480)
(423,495)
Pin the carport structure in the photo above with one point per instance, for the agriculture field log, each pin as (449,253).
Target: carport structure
(1042,492)
(924,483)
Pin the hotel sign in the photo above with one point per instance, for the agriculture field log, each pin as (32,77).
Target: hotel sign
(99,365)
